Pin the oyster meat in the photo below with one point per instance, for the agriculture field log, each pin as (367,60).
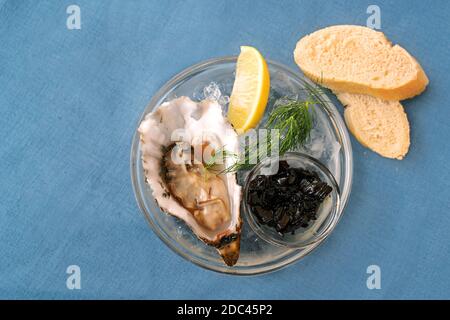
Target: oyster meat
(177,139)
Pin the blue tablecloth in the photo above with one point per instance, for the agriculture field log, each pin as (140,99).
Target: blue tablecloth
(69,104)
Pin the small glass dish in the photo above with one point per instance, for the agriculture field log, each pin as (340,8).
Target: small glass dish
(327,215)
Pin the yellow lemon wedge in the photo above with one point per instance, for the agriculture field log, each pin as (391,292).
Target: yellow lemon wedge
(250,90)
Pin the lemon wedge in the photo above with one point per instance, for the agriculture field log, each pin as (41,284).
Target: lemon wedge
(250,90)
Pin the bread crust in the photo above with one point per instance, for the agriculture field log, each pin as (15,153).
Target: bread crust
(336,39)
(379,125)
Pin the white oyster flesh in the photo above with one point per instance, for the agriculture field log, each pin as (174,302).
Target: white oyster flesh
(176,140)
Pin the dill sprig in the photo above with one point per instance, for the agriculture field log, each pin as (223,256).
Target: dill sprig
(221,153)
(293,122)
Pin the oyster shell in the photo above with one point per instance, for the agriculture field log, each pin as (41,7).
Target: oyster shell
(175,140)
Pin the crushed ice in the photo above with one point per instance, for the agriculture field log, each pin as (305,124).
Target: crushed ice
(212,92)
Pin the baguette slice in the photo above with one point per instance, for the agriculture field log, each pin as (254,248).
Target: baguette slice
(380,125)
(358,59)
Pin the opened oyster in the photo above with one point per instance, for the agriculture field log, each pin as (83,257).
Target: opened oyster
(176,140)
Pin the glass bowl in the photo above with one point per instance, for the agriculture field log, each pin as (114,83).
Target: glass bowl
(329,143)
(326,217)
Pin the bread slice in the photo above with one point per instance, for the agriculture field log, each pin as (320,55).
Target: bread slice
(380,125)
(358,59)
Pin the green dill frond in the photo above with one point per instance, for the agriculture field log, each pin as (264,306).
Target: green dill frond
(293,121)
(222,153)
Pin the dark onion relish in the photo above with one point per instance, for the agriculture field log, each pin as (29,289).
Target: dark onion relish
(287,200)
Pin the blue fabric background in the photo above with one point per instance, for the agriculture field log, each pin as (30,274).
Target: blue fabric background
(69,104)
